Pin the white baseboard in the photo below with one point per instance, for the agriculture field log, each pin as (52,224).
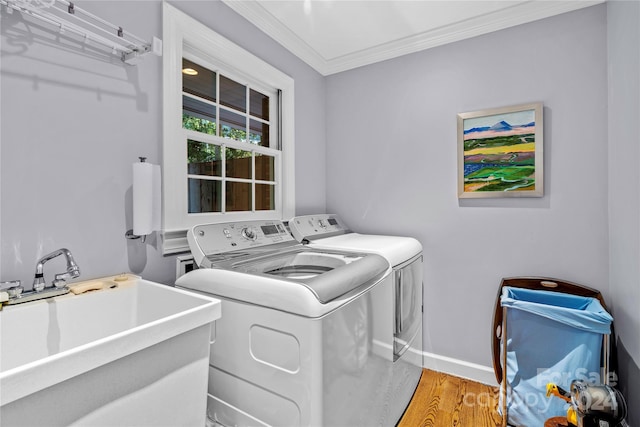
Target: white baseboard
(460,368)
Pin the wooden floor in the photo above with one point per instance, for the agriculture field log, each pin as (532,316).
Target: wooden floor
(443,400)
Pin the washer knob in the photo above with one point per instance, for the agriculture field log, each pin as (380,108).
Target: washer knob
(249,233)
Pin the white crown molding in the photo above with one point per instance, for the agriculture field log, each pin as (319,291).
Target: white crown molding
(505,18)
(261,18)
(521,13)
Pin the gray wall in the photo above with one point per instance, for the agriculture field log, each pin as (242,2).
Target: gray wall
(73,124)
(391,167)
(623,24)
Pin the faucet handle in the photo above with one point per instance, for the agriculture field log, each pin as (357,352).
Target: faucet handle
(13,287)
(59,282)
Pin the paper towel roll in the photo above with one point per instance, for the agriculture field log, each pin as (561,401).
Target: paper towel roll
(146,198)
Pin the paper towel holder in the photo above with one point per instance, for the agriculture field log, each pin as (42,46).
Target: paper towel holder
(129,233)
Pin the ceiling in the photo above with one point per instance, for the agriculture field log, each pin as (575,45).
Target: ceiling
(338,35)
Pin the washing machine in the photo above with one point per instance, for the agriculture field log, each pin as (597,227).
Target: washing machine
(306,334)
(328,231)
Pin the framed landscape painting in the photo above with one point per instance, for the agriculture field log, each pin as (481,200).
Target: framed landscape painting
(500,152)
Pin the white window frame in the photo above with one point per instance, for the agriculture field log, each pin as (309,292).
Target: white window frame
(180,30)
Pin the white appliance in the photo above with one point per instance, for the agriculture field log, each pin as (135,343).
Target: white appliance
(328,231)
(306,335)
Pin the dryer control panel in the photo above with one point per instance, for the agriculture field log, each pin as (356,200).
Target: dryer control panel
(310,227)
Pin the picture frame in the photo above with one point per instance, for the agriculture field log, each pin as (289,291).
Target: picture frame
(500,152)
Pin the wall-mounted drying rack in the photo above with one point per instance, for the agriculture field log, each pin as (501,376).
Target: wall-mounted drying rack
(67,16)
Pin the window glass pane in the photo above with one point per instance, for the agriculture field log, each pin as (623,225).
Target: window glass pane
(265,197)
(259,133)
(238,196)
(203,159)
(233,126)
(258,105)
(264,167)
(233,94)
(204,195)
(198,116)
(202,84)
(238,163)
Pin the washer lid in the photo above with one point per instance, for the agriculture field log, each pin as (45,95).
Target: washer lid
(327,274)
(266,250)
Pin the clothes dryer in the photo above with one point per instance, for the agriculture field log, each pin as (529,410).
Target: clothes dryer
(328,231)
(306,335)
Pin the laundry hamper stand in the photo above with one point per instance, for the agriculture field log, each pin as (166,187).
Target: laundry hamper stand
(534,302)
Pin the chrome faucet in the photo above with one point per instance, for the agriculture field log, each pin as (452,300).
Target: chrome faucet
(14,293)
(59,281)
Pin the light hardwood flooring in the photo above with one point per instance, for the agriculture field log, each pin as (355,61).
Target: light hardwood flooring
(443,400)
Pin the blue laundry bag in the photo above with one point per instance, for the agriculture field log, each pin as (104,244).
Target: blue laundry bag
(551,337)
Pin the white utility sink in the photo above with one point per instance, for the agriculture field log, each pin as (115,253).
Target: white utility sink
(128,354)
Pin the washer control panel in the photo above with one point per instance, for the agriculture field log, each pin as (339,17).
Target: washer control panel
(310,227)
(219,238)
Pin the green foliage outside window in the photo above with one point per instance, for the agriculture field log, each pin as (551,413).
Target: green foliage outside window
(203,152)
(199,125)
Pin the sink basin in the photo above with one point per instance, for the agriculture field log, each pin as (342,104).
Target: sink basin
(49,344)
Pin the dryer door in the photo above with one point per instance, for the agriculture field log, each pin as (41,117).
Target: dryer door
(408,306)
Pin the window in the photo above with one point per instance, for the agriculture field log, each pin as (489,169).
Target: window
(228,132)
(231,155)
